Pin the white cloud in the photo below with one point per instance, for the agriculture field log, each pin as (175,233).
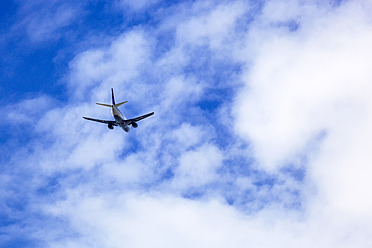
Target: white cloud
(188,135)
(214,27)
(137,220)
(170,222)
(309,81)
(115,66)
(299,82)
(43,21)
(198,168)
(136,5)
(28,110)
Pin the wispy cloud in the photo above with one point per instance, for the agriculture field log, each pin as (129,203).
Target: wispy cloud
(45,21)
(136,6)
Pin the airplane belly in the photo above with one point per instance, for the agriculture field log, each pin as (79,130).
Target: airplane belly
(122,123)
(116,112)
(126,128)
(118,119)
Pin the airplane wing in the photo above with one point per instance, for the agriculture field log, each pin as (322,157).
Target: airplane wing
(114,123)
(129,121)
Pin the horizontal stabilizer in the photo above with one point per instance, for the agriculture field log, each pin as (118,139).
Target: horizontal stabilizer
(106,105)
(117,105)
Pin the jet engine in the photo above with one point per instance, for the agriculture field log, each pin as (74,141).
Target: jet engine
(110,126)
(135,125)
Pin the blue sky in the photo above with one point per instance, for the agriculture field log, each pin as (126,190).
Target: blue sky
(261,126)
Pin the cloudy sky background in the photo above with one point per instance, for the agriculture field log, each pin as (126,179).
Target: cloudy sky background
(261,135)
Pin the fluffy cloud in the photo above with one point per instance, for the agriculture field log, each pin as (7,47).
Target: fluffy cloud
(309,82)
(139,220)
(300,81)
(119,63)
(197,168)
(315,81)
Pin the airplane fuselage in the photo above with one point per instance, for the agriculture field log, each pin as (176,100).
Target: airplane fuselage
(119,117)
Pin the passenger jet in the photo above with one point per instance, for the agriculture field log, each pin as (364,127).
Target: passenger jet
(120,119)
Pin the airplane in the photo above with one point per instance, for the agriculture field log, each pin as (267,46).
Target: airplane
(120,119)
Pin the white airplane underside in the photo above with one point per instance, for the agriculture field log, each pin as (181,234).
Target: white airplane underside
(120,119)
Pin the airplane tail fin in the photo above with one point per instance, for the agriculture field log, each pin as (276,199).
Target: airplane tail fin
(113,101)
(113,98)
